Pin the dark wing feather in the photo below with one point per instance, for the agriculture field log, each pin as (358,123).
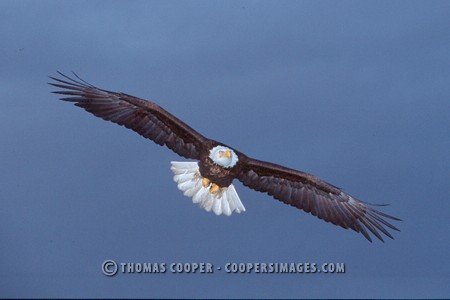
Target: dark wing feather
(145,117)
(315,196)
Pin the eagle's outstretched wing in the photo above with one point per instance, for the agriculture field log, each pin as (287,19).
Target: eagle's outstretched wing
(313,195)
(145,117)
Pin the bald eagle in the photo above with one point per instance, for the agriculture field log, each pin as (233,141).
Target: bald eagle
(208,179)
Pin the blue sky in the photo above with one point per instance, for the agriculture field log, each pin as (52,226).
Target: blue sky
(354,92)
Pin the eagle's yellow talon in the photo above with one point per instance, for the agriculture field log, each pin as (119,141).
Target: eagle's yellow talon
(205,182)
(214,189)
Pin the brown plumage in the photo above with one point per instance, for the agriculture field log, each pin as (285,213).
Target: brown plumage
(296,188)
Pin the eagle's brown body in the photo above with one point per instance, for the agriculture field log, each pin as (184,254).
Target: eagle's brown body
(223,177)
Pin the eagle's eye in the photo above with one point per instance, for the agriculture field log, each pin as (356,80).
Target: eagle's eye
(221,152)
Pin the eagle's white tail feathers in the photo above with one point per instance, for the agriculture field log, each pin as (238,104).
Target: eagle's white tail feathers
(188,178)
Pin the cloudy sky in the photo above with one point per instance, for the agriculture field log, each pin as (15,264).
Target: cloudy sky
(356,92)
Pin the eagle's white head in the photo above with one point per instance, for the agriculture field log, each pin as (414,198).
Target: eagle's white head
(223,156)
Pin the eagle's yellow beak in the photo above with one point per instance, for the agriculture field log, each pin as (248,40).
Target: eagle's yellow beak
(227,154)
